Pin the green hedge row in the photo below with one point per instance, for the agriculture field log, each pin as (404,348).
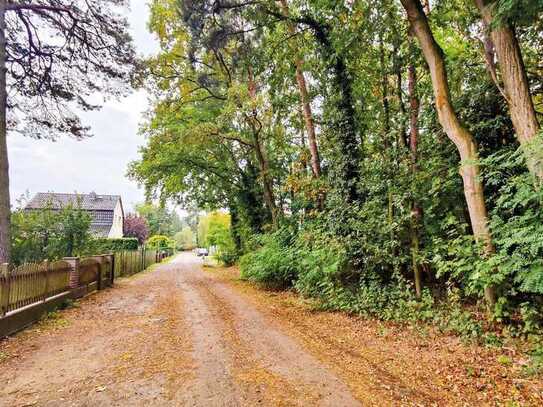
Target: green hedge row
(112,245)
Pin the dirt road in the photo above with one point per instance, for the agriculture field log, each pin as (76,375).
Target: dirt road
(178,335)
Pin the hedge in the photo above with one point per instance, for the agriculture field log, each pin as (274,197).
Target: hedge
(112,245)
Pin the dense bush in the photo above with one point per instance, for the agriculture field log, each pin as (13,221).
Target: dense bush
(49,234)
(274,264)
(316,265)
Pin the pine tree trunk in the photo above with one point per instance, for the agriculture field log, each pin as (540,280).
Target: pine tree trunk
(459,135)
(516,88)
(308,117)
(5,207)
(306,106)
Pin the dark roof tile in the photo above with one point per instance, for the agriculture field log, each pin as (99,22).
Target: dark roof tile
(99,230)
(89,202)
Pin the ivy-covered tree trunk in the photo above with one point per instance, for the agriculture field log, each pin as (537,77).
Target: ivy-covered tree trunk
(416,210)
(267,184)
(517,90)
(306,105)
(346,170)
(235,225)
(250,200)
(387,153)
(269,196)
(5,207)
(459,135)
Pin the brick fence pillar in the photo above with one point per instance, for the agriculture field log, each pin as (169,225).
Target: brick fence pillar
(74,272)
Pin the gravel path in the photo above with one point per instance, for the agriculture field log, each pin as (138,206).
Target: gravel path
(172,336)
(181,335)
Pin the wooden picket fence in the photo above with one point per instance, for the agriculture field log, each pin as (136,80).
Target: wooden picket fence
(31,283)
(130,262)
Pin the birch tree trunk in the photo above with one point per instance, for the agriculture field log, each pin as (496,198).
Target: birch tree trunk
(457,133)
(306,105)
(5,207)
(516,88)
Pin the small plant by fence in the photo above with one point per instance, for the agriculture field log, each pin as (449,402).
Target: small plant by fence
(31,289)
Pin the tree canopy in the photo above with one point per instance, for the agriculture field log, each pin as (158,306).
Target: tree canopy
(383,143)
(57,57)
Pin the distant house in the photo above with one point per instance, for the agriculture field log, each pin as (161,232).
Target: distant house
(106,210)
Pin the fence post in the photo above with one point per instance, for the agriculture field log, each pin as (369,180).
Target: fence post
(4,289)
(112,259)
(123,265)
(74,272)
(99,274)
(143,258)
(46,289)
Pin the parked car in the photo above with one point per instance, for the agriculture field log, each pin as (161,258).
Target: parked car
(202,252)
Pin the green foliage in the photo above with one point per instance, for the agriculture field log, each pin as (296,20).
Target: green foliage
(535,366)
(158,242)
(516,224)
(113,245)
(517,11)
(49,234)
(214,230)
(161,220)
(185,239)
(274,264)
(319,269)
(353,236)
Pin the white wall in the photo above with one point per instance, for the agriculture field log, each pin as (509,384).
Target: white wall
(117,227)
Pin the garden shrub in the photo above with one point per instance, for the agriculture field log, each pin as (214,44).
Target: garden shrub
(228,257)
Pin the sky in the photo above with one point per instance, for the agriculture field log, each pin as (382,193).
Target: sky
(97,164)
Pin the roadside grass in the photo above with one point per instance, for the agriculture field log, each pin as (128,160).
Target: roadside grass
(55,319)
(212,262)
(3,356)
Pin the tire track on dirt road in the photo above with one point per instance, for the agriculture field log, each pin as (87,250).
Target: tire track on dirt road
(267,365)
